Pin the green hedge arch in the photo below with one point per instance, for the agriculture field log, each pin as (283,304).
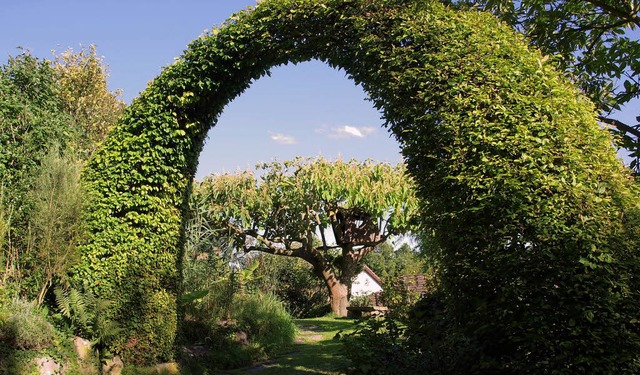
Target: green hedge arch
(534,217)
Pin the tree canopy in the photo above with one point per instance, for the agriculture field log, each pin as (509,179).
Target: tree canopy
(330,214)
(53,114)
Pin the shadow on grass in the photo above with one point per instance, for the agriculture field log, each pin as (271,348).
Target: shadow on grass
(325,324)
(316,351)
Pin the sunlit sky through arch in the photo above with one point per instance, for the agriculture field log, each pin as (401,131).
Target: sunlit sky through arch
(306,110)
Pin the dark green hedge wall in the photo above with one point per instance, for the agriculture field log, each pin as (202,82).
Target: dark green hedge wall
(535,217)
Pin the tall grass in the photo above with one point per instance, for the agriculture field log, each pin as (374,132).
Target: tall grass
(258,327)
(265,320)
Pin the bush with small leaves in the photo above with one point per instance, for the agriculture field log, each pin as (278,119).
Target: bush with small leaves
(534,217)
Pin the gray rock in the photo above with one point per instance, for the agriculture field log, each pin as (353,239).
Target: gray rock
(82,348)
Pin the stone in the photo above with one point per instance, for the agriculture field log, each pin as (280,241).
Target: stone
(48,366)
(113,366)
(82,347)
(169,368)
(241,337)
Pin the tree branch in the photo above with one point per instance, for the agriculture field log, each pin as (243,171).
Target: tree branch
(621,126)
(630,17)
(593,26)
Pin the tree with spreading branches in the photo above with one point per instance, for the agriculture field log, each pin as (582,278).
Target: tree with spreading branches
(331,214)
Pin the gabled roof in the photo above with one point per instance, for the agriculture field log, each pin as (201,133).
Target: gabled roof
(372,274)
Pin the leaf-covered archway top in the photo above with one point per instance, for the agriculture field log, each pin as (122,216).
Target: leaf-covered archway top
(518,182)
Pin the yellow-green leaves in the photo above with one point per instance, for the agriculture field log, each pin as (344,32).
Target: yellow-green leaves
(294,197)
(506,156)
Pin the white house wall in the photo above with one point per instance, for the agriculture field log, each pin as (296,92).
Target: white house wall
(364,285)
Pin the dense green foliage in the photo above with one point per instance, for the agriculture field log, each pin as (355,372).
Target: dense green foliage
(211,281)
(265,320)
(53,113)
(594,41)
(379,346)
(225,307)
(244,328)
(390,263)
(535,219)
(25,326)
(45,134)
(31,117)
(292,280)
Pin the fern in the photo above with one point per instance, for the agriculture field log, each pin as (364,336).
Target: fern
(73,306)
(88,315)
(63,301)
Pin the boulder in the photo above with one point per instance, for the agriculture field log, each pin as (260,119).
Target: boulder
(48,366)
(113,366)
(82,347)
(169,368)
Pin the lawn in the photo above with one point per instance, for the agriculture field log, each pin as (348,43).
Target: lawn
(315,350)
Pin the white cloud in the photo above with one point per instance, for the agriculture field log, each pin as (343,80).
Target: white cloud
(283,139)
(347,131)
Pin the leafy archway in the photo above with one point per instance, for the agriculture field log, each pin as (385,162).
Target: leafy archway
(534,216)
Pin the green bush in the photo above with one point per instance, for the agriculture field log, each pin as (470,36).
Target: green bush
(424,341)
(292,280)
(400,296)
(265,320)
(378,346)
(24,325)
(254,327)
(360,301)
(154,337)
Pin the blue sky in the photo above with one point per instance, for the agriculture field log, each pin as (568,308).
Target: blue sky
(304,110)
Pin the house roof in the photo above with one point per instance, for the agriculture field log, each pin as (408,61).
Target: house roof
(372,274)
(417,283)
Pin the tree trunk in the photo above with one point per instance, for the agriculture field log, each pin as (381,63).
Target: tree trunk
(338,291)
(339,299)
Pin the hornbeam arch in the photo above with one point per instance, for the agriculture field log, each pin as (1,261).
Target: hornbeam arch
(532,212)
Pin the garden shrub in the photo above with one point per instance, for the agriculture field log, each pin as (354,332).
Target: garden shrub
(87,316)
(400,294)
(255,327)
(378,346)
(360,301)
(534,217)
(155,336)
(25,326)
(292,280)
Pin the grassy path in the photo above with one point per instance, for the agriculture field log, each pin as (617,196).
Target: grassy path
(315,351)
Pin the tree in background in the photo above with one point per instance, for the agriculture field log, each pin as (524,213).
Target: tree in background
(594,42)
(330,214)
(53,114)
(81,79)
(390,263)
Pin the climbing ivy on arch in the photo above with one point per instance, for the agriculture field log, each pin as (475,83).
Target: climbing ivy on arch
(535,219)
